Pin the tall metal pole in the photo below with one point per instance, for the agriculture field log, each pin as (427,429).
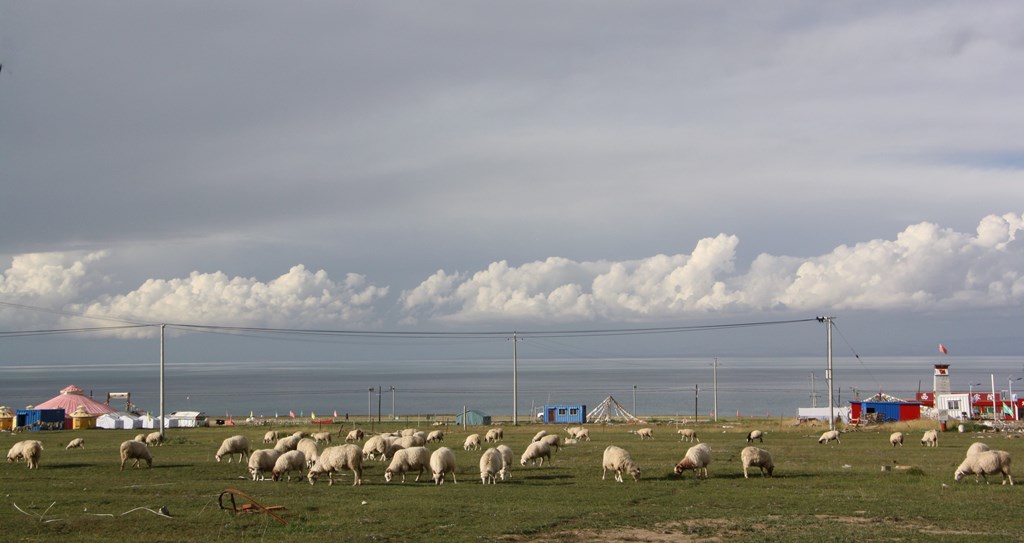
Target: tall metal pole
(634,400)
(716,389)
(515,380)
(162,327)
(379,390)
(828,378)
(696,394)
(392,403)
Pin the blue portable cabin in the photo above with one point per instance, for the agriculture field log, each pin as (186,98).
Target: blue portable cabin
(564,414)
(40,419)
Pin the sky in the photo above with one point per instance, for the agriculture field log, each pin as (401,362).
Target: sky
(555,165)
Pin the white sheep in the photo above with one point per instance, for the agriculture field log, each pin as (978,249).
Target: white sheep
(271,436)
(406,460)
(139,437)
(472,442)
(415,440)
(136,450)
(231,446)
(930,439)
(286,444)
(755,434)
(301,434)
(537,452)
(262,460)
(435,436)
(977,447)
(985,463)
(154,439)
(337,458)
(392,448)
(582,433)
(753,457)
(697,458)
(442,462)
(831,435)
(687,434)
(506,461)
(494,435)
(553,440)
(354,436)
(644,433)
(77,443)
(28,450)
(538,435)
(307,446)
(618,460)
(896,439)
(322,437)
(572,430)
(490,466)
(407,432)
(287,463)
(570,441)
(420,436)
(375,446)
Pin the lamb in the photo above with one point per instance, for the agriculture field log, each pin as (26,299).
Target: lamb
(155,439)
(896,438)
(354,436)
(322,437)
(687,434)
(376,445)
(643,433)
(337,458)
(582,433)
(136,450)
(831,435)
(140,437)
(537,451)
(977,447)
(472,442)
(753,457)
(28,450)
(930,439)
(442,461)
(287,463)
(506,461)
(490,465)
(984,464)
(755,434)
(572,430)
(553,440)
(307,446)
(618,460)
(286,444)
(232,445)
(414,458)
(538,435)
(261,461)
(271,436)
(494,435)
(77,443)
(697,458)
(436,436)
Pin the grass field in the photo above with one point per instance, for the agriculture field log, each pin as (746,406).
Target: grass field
(835,492)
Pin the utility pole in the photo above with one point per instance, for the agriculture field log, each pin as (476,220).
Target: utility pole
(392,403)
(716,388)
(515,380)
(696,394)
(828,374)
(634,400)
(162,327)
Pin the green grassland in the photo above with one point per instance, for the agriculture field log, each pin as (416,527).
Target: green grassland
(833,492)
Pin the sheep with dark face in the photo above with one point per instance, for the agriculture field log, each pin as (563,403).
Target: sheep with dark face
(755,434)
(697,458)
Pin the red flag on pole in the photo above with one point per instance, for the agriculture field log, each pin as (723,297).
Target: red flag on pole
(943,349)
(291,414)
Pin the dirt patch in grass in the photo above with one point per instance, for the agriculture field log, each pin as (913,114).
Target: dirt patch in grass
(703,530)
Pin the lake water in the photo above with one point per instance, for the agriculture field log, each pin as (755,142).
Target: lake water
(751,386)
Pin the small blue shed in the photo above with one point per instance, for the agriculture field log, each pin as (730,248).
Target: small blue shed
(40,419)
(564,414)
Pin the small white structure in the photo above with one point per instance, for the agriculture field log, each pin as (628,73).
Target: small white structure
(954,406)
(821,413)
(187,419)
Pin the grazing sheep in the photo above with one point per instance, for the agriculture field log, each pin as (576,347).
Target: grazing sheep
(831,435)
(618,460)
(262,460)
(337,458)
(28,450)
(442,462)
(136,450)
(582,433)
(271,436)
(405,460)
(930,439)
(985,463)
(307,446)
(154,439)
(472,442)
(407,432)
(77,443)
(553,440)
(232,445)
(570,441)
(140,437)
(697,458)
(896,438)
(537,452)
(415,440)
(644,433)
(376,445)
(538,435)
(354,436)
(687,434)
(287,463)
(490,466)
(420,436)
(752,457)
(286,444)
(755,434)
(322,437)
(393,446)
(494,434)
(301,434)
(977,447)
(506,461)
(435,436)
(572,430)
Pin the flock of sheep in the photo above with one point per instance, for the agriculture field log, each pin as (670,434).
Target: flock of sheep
(406,452)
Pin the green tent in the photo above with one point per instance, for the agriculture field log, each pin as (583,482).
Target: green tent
(474,418)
